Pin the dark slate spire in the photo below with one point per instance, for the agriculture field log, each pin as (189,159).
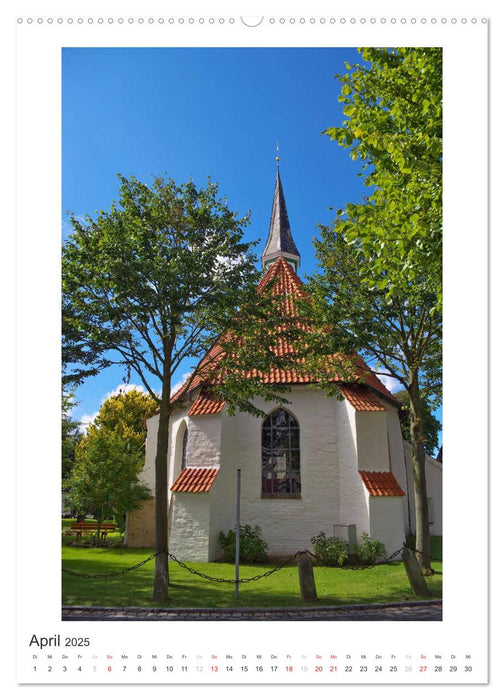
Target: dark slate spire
(280,242)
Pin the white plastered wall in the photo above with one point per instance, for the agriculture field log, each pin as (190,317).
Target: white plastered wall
(223,492)
(376,446)
(354,509)
(333,448)
(434,479)
(372,443)
(386,521)
(191,519)
(190,533)
(287,523)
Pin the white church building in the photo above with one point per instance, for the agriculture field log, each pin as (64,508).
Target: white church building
(315,465)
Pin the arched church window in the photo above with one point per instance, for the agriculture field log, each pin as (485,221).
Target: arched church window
(281,465)
(183,460)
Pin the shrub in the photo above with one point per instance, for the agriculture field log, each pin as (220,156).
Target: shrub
(252,547)
(120,521)
(369,551)
(330,551)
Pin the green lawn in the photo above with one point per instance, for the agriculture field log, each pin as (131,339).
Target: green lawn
(381,584)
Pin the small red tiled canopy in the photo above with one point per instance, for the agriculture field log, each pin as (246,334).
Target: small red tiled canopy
(361,398)
(381,484)
(206,405)
(195,480)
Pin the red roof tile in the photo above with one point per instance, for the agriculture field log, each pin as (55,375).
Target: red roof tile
(381,484)
(195,480)
(361,398)
(285,282)
(206,405)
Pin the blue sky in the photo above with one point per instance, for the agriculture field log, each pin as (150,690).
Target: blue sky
(199,113)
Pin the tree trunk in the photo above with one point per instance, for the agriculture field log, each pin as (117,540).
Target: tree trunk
(422,544)
(98,529)
(160,593)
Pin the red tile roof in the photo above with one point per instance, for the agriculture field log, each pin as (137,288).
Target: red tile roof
(287,284)
(381,484)
(361,398)
(195,480)
(206,405)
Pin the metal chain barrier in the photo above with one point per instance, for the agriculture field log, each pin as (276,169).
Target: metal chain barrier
(188,568)
(242,580)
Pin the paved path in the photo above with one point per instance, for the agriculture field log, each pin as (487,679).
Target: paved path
(415,610)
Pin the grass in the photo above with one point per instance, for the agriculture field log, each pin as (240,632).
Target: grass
(380,584)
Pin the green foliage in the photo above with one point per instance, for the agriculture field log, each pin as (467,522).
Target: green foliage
(393,101)
(125,414)
(120,423)
(120,520)
(380,287)
(105,477)
(333,551)
(82,355)
(431,425)
(369,551)
(126,410)
(330,551)
(149,284)
(252,547)
(70,435)
(155,279)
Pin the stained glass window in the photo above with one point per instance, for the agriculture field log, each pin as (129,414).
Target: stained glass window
(281,467)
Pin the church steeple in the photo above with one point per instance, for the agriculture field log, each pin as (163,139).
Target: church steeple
(280,242)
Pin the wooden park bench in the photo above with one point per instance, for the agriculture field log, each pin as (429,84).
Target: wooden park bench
(79,528)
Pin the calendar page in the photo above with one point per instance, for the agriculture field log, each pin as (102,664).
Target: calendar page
(378,154)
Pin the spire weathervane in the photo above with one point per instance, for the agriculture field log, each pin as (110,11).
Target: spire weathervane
(278,156)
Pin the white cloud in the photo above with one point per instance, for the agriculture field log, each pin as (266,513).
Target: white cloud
(392,384)
(86,421)
(177,385)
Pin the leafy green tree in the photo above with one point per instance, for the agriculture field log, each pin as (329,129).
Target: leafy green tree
(393,105)
(82,356)
(154,281)
(105,477)
(125,413)
(430,423)
(70,435)
(380,289)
